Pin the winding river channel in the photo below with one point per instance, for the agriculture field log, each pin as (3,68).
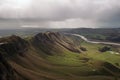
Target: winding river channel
(91,41)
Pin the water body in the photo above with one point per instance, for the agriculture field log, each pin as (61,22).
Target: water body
(95,42)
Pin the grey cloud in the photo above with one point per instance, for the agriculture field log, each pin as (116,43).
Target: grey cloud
(111,15)
(65,13)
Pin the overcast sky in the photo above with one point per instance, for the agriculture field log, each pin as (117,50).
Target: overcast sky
(59,13)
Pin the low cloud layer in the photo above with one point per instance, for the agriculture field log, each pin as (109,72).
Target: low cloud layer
(60,13)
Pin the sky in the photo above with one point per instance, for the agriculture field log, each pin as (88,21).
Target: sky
(59,13)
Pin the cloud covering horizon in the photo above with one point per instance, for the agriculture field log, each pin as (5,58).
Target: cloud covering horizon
(60,13)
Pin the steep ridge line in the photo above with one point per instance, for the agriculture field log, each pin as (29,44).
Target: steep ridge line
(52,39)
(33,66)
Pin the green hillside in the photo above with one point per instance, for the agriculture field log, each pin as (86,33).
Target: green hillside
(54,56)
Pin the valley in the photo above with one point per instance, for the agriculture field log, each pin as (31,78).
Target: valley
(94,42)
(59,39)
(98,34)
(55,56)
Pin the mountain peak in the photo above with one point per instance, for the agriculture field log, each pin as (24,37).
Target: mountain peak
(51,40)
(13,44)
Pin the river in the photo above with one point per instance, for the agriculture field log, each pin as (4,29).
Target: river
(95,42)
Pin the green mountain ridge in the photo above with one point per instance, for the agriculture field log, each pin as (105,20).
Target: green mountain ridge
(54,56)
(55,40)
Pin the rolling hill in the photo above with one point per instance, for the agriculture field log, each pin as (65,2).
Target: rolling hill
(55,56)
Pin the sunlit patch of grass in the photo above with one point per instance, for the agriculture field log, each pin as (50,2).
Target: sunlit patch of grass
(94,53)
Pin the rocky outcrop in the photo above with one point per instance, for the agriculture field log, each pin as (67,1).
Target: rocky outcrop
(105,48)
(13,45)
(50,40)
